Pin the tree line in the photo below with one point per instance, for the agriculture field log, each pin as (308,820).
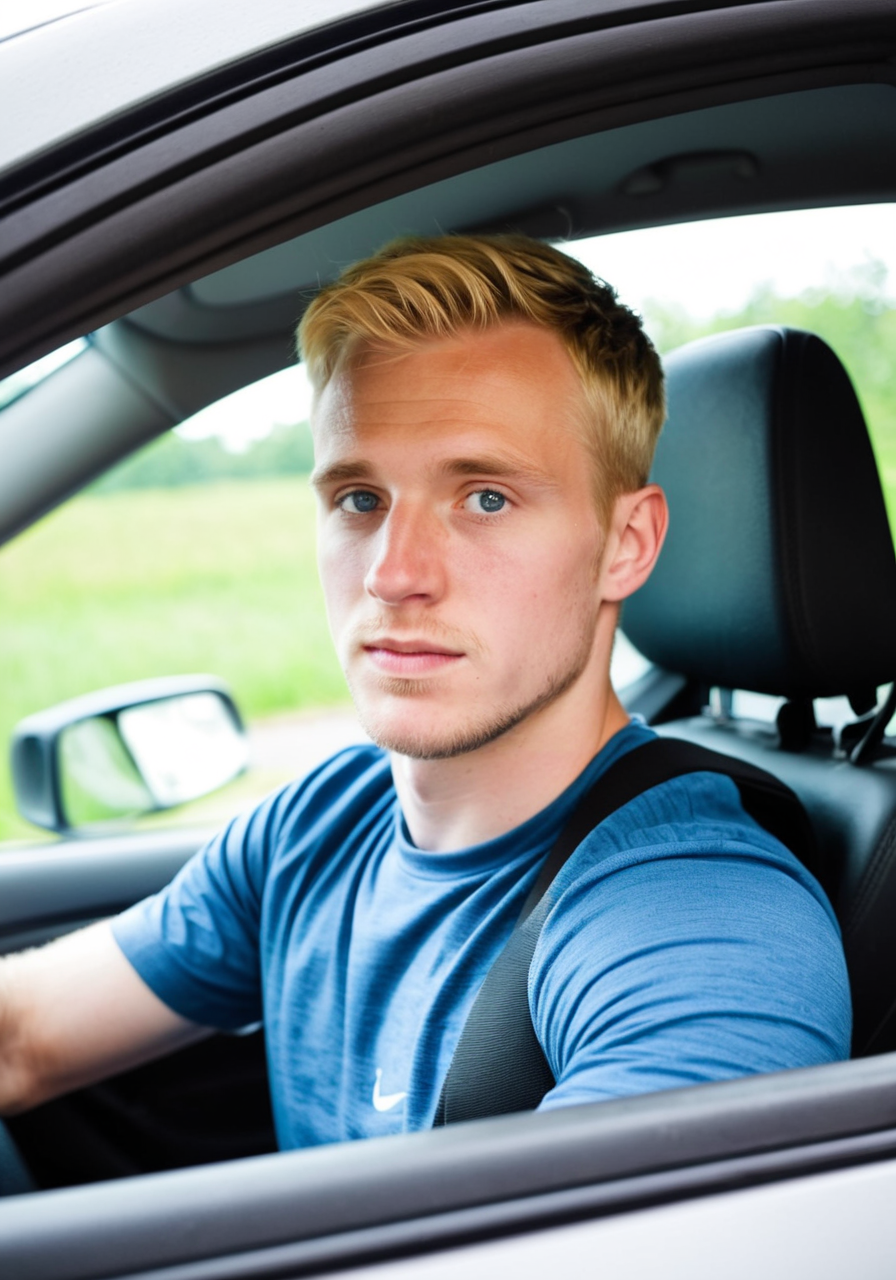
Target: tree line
(172,461)
(856,319)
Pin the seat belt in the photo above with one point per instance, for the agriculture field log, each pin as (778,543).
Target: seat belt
(499,1066)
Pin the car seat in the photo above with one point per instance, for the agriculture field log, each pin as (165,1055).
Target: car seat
(779,577)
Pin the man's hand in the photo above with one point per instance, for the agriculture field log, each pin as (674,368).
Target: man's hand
(73,1012)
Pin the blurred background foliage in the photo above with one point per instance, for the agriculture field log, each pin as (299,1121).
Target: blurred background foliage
(173,461)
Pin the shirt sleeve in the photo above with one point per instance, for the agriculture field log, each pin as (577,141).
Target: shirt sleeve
(655,971)
(195,944)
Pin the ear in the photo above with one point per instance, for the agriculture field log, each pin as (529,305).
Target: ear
(637,530)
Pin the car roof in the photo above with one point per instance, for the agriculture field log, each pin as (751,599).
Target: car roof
(105,59)
(820,146)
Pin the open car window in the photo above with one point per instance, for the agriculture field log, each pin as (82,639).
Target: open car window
(194,555)
(197,553)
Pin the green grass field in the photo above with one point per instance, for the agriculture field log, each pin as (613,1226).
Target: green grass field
(217,578)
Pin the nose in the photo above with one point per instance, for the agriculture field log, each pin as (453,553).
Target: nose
(408,557)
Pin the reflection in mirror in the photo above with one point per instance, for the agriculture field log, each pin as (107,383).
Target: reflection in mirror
(184,747)
(150,756)
(97,777)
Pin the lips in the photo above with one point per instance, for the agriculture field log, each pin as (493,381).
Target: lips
(410,657)
(412,646)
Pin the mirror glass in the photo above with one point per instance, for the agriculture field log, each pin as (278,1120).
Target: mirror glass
(184,747)
(150,756)
(97,777)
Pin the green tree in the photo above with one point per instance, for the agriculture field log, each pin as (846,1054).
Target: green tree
(172,461)
(852,314)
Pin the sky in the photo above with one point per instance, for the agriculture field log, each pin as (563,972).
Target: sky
(716,265)
(705,266)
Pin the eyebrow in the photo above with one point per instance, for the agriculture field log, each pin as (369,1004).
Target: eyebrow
(339,471)
(501,466)
(493,464)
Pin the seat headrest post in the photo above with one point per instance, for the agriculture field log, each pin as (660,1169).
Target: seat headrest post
(796,724)
(874,736)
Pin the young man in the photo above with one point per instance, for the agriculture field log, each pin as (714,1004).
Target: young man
(484,424)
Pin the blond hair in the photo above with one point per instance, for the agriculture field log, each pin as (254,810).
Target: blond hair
(439,287)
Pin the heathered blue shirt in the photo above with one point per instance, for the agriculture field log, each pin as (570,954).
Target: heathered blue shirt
(683,944)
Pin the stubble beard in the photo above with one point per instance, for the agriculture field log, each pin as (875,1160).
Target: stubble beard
(474,734)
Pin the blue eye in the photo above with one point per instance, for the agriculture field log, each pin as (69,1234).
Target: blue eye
(359,503)
(488,501)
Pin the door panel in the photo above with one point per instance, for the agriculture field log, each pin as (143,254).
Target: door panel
(207,1102)
(50,889)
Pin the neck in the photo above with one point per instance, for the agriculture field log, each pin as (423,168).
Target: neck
(468,799)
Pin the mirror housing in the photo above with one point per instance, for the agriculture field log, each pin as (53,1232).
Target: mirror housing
(127,751)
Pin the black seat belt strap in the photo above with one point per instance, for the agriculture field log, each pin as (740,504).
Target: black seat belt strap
(499,1066)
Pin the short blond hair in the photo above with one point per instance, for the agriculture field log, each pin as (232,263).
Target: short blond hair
(439,287)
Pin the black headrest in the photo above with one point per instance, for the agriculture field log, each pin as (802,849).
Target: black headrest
(778,574)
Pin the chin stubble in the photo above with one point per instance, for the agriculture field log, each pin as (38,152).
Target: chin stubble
(478,733)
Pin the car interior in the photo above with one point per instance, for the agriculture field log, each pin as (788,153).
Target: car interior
(763,430)
(778,577)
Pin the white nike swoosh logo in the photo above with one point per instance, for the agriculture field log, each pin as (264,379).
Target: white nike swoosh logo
(385,1101)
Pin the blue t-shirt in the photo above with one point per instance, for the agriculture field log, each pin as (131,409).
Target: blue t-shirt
(684,944)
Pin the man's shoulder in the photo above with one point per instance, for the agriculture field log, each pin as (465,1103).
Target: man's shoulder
(354,774)
(697,815)
(686,845)
(359,761)
(335,795)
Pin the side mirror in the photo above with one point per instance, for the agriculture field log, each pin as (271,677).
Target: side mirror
(126,751)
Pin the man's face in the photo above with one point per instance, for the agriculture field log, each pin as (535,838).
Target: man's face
(458,538)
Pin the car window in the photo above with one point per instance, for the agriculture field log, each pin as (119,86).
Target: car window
(194,555)
(197,554)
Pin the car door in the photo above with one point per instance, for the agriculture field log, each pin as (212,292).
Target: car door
(107,227)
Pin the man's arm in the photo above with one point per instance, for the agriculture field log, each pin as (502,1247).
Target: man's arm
(684,970)
(73,1012)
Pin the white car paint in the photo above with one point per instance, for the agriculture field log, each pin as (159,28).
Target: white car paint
(827,1227)
(105,60)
